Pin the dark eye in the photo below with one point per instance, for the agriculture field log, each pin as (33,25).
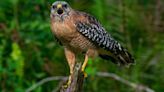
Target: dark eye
(54,6)
(65,5)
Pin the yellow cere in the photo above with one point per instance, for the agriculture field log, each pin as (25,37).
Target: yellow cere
(59,6)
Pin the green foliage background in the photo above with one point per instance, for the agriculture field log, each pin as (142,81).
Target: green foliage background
(28,52)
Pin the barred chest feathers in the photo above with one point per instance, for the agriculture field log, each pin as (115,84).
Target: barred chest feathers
(68,35)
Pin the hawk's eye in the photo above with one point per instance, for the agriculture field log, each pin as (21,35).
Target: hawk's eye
(54,6)
(65,5)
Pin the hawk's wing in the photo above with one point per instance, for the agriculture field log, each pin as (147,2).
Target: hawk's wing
(93,30)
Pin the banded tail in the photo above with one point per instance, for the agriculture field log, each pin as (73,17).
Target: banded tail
(118,55)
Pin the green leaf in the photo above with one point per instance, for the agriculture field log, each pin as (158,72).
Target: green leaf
(18,59)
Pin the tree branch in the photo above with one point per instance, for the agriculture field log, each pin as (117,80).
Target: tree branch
(46,80)
(77,82)
(138,87)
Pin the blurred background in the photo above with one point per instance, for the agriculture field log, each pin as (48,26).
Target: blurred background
(28,52)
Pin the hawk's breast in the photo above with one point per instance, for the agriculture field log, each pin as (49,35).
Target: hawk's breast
(80,43)
(68,35)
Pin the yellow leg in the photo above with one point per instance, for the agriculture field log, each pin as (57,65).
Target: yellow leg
(84,63)
(91,53)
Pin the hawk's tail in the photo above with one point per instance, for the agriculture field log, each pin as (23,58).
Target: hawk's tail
(119,56)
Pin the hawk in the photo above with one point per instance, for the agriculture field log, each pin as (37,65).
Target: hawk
(81,33)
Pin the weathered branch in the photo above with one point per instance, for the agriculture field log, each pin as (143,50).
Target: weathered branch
(46,80)
(138,87)
(76,82)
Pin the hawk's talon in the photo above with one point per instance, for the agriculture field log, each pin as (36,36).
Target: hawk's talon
(68,82)
(85,74)
(65,86)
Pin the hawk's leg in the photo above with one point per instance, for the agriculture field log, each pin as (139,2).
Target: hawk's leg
(84,63)
(70,56)
(91,53)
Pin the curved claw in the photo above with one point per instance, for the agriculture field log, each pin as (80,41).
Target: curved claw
(68,82)
(85,74)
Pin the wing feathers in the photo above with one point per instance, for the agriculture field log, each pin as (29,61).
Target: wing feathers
(97,34)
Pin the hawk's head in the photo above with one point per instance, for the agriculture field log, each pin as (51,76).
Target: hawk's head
(60,10)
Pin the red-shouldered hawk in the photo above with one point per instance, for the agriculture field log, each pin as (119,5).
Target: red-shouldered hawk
(80,33)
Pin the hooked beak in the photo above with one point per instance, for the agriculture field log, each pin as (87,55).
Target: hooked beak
(59,9)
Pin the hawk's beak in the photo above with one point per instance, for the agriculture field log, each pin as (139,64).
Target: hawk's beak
(59,9)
